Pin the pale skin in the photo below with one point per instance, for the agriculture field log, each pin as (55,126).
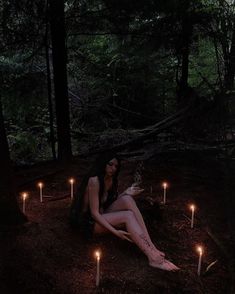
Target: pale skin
(123,213)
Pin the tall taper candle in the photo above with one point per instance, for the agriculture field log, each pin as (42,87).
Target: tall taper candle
(24,196)
(40,185)
(192,207)
(97,282)
(200,251)
(164,192)
(71,187)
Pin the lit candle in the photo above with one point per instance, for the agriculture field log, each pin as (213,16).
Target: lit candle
(97,254)
(192,207)
(24,196)
(71,187)
(40,185)
(164,192)
(200,251)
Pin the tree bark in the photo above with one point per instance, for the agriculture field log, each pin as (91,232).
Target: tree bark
(50,104)
(59,58)
(10,213)
(230,70)
(183,51)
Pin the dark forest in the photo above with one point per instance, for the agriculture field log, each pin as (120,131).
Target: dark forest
(152,81)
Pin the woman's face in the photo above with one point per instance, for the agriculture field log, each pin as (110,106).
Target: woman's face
(111,167)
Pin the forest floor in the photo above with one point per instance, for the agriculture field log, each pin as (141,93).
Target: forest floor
(47,256)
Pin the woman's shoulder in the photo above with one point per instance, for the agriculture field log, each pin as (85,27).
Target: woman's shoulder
(93,181)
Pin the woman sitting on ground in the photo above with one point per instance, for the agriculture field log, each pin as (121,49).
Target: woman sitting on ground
(97,208)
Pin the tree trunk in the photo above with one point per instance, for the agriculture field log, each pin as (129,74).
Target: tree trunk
(50,105)
(10,213)
(183,51)
(59,57)
(230,70)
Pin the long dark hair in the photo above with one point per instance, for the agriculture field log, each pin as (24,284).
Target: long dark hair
(98,169)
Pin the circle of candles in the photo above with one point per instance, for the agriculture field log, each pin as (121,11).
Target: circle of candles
(200,251)
(164,192)
(24,197)
(71,187)
(97,254)
(40,185)
(192,207)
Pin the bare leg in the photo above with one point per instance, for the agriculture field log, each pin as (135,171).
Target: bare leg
(126,202)
(137,235)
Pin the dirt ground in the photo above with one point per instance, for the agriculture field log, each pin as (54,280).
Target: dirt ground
(47,256)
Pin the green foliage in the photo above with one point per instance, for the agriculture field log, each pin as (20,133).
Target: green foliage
(125,74)
(25,109)
(203,68)
(29,136)
(123,58)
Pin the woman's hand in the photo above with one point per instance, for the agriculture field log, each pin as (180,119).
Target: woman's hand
(133,191)
(123,235)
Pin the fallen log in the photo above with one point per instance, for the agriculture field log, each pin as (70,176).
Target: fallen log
(146,133)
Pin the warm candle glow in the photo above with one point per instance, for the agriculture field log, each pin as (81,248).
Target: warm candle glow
(192,207)
(71,187)
(200,250)
(97,254)
(164,185)
(40,184)
(71,181)
(24,196)
(97,281)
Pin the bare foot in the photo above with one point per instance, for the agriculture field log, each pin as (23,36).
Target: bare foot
(161,253)
(163,264)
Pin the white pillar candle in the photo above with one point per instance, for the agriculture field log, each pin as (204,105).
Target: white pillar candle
(24,196)
(164,192)
(97,282)
(192,207)
(40,185)
(71,187)
(200,251)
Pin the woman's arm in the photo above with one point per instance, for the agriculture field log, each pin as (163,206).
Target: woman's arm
(93,190)
(131,191)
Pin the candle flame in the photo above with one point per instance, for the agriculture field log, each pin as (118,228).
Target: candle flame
(97,254)
(192,207)
(164,185)
(40,184)
(71,181)
(24,196)
(200,250)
